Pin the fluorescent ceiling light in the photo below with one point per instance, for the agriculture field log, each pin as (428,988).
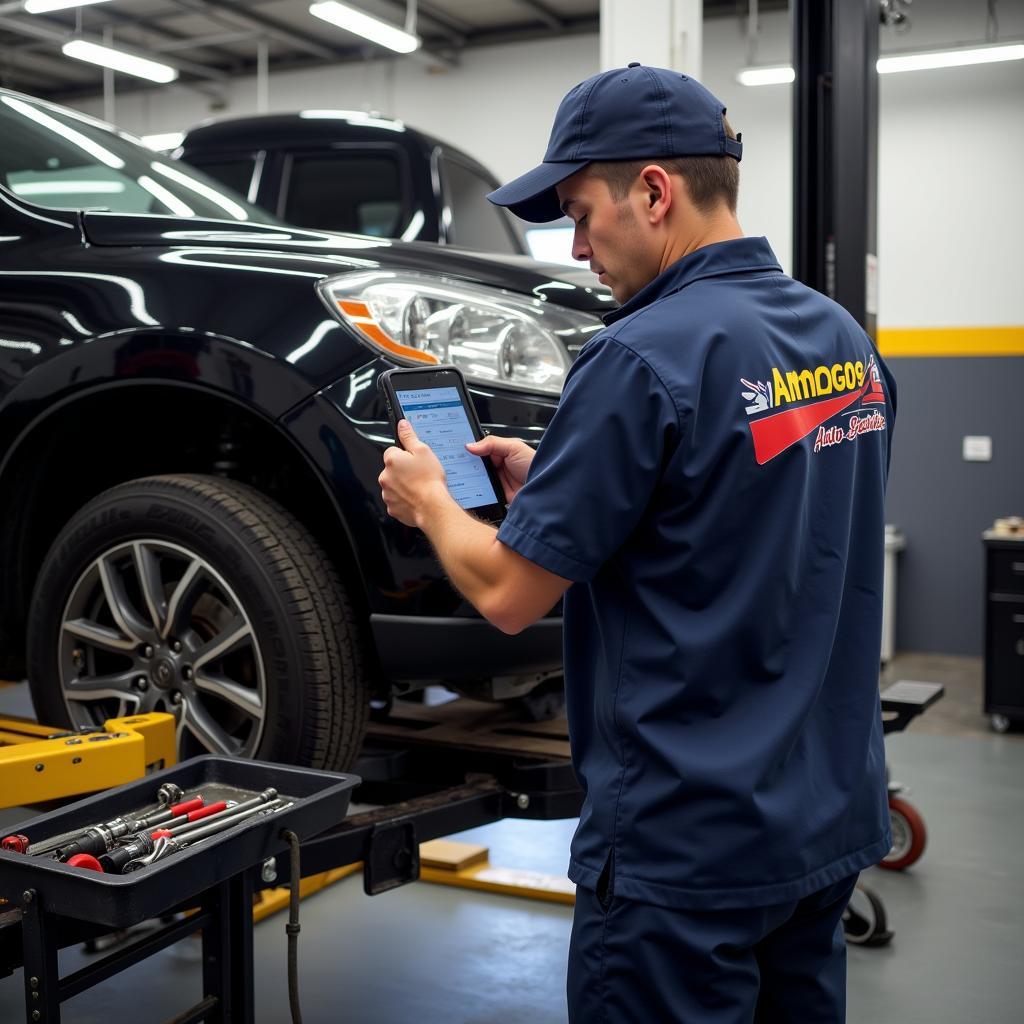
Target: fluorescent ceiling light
(779,74)
(361,24)
(118,60)
(43,6)
(163,141)
(924,60)
(954,58)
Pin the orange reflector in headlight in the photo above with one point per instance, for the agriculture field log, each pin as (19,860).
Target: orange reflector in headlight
(358,314)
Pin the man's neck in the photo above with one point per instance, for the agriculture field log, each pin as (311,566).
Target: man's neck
(718,228)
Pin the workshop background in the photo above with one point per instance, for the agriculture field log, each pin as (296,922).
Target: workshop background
(950,213)
(950,147)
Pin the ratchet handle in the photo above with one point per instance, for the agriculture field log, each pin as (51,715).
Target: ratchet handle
(205,812)
(166,827)
(187,807)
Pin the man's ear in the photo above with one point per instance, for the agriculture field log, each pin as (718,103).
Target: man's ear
(657,186)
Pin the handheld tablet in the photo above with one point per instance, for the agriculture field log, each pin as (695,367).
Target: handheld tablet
(435,401)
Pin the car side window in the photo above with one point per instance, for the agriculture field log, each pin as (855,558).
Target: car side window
(475,222)
(235,172)
(345,192)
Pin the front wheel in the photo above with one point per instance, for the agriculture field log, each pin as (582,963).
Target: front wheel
(201,597)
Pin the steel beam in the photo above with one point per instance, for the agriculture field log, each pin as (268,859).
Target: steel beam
(543,12)
(239,14)
(835,155)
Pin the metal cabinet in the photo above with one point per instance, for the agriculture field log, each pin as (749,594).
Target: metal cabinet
(1004,628)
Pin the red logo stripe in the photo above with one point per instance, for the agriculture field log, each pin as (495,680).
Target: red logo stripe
(774,434)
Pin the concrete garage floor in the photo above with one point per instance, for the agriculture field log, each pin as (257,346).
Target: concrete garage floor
(432,954)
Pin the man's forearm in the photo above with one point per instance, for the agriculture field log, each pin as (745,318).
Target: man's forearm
(506,589)
(466,548)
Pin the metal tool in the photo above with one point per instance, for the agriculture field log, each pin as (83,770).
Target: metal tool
(166,845)
(114,861)
(184,828)
(102,838)
(169,794)
(15,844)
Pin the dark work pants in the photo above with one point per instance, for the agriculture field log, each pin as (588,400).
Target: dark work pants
(633,963)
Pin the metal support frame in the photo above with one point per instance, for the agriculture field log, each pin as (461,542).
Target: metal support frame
(225,918)
(835,157)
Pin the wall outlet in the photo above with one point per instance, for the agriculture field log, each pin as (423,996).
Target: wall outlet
(977,448)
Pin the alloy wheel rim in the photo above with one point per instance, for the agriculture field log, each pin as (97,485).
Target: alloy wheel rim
(152,626)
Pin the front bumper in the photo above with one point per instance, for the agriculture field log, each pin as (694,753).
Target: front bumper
(443,647)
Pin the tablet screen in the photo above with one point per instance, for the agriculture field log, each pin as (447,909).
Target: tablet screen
(439,419)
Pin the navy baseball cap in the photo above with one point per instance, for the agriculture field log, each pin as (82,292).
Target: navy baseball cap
(631,113)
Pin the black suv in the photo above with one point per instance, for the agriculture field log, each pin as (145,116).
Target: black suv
(190,439)
(345,170)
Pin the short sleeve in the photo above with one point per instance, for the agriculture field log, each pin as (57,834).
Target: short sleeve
(597,465)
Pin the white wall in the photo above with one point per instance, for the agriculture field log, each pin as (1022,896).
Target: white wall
(951,206)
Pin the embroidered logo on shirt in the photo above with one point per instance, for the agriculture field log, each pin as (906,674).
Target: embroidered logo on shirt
(854,386)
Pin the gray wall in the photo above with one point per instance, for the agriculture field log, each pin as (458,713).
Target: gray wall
(943,503)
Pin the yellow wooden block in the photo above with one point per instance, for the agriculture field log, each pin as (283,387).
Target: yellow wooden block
(531,885)
(449,855)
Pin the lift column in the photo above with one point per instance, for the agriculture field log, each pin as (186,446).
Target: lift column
(835,156)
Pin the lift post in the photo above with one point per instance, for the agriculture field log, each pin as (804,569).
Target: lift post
(835,152)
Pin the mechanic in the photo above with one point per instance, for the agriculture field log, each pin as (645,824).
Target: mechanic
(709,498)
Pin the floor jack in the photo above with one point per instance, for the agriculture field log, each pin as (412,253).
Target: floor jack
(865,922)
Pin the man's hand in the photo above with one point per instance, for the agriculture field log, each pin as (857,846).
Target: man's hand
(413,480)
(511,458)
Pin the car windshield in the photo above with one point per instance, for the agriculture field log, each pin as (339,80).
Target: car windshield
(57,157)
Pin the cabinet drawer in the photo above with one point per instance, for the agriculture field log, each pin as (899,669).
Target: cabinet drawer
(1006,570)
(1006,654)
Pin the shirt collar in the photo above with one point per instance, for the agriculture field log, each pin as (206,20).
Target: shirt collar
(736,256)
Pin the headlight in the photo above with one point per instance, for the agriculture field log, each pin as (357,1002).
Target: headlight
(495,337)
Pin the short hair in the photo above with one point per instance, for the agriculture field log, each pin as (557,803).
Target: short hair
(710,180)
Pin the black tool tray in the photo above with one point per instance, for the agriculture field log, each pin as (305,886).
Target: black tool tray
(320,801)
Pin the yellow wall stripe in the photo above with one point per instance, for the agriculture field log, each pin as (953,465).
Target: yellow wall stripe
(951,341)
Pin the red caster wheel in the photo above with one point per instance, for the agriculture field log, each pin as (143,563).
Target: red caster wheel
(909,836)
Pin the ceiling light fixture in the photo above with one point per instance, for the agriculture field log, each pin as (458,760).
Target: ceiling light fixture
(45,6)
(956,57)
(361,24)
(777,74)
(922,60)
(118,60)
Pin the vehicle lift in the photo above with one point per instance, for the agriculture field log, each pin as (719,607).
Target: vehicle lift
(431,772)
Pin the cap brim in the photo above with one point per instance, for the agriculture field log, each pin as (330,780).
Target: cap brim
(532,196)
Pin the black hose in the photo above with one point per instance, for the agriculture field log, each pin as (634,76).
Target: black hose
(292,927)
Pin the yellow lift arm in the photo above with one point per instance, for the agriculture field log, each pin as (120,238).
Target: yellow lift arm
(36,764)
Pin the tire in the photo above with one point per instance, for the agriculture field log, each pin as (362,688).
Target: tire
(909,836)
(228,615)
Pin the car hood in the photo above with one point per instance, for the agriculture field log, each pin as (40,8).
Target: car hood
(576,288)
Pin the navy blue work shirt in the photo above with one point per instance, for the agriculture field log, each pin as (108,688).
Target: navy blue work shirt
(713,482)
